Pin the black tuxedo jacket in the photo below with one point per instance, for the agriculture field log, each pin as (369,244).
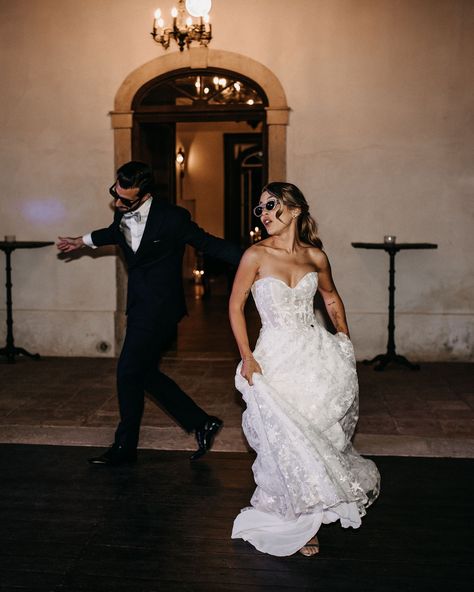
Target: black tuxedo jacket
(155,284)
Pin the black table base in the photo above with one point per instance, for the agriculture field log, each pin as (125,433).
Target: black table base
(10,350)
(381,361)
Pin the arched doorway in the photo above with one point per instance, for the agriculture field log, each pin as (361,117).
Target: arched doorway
(196,60)
(172,112)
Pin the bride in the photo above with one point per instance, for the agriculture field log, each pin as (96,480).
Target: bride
(300,387)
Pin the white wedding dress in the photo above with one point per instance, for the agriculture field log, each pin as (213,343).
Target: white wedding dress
(300,418)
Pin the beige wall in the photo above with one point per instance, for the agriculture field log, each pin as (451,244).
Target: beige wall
(380,140)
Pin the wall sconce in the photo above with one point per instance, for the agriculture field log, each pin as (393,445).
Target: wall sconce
(180,159)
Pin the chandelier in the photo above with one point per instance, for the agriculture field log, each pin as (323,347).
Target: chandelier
(185,29)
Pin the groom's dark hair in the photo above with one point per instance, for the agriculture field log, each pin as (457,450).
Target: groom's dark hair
(136,174)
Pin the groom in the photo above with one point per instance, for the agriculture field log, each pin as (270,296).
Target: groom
(152,235)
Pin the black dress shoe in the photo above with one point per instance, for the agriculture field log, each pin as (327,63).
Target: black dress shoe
(116,455)
(205,436)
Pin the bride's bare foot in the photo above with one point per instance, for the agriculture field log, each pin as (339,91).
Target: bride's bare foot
(311,548)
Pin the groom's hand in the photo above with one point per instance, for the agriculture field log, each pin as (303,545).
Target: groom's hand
(249,366)
(67,244)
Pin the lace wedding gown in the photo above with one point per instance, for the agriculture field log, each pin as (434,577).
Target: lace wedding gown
(300,417)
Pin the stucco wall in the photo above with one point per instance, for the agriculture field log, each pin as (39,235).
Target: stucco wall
(380,140)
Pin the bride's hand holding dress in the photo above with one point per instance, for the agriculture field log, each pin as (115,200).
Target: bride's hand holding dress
(248,368)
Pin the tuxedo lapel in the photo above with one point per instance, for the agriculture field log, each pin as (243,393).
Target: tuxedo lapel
(154,224)
(121,237)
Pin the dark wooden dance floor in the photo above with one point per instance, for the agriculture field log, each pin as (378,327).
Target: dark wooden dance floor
(164,525)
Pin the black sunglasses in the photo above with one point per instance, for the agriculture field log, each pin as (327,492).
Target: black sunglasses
(126,202)
(269,206)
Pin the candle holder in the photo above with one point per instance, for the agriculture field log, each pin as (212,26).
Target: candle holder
(255,235)
(183,30)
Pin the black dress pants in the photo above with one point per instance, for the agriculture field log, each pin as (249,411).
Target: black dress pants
(138,371)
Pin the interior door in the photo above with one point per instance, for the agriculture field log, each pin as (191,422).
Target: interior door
(244,164)
(155,144)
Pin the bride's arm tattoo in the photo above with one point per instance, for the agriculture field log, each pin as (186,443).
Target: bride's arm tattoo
(337,315)
(332,300)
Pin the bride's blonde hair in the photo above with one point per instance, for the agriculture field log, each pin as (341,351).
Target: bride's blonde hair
(292,197)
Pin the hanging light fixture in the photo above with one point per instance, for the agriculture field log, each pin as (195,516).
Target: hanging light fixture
(184,29)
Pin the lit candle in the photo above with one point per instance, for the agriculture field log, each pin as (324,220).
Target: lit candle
(156,20)
(174,14)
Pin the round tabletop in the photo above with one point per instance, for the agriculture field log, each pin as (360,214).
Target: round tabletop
(12,245)
(394,246)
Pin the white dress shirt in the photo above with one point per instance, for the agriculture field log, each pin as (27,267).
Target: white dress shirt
(131,225)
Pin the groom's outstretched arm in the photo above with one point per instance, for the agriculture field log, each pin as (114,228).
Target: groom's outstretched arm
(67,244)
(103,236)
(96,238)
(195,236)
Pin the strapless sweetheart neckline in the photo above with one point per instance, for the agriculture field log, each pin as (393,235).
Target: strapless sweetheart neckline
(272,277)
